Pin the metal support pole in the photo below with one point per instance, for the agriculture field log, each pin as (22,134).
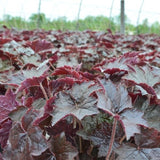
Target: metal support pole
(122,29)
(139,13)
(110,15)
(80,5)
(39,15)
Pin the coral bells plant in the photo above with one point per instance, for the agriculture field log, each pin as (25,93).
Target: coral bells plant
(79,95)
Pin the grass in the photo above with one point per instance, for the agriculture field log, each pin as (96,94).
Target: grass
(99,23)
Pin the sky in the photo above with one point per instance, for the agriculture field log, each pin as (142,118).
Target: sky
(54,9)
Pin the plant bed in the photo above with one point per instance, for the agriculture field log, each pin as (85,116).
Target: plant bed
(79,95)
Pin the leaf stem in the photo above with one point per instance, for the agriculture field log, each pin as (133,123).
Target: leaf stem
(122,139)
(49,91)
(74,122)
(112,138)
(44,92)
(51,65)
(80,144)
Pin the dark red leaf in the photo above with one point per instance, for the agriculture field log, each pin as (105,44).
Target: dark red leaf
(46,155)
(40,45)
(27,101)
(33,77)
(44,109)
(7,104)
(107,44)
(4,132)
(30,82)
(63,126)
(114,99)
(98,130)
(4,40)
(12,79)
(131,119)
(5,65)
(28,118)
(62,84)
(62,102)
(77,102)
(151,115)
(18,113)
(53,59)
(1,158)
(88,75)
(25,140)
(69,60)
(113,65)
(129,152)
(148,138)
(144,77)
(67,70)
(67,152)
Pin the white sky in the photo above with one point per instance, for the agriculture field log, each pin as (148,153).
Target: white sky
(69,8)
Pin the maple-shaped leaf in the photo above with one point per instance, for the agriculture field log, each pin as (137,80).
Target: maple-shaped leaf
(62,126)
(36,72)
(77,102)
(67,126)
(44,108)
(17,114)
(130,152)
(148,138)
(151,115)
(106,44)
(28,118)
(25,140)
(68,60)
(131,119)
(61,84)
(33,77)
(67,70)
(35,92)
(150,109)
(5,65)
(100,138)
(62,148)
(30,82)
(7,104)
(40,45)
(32,59)
(12,78)
(144,77)
(88,75)
(116,101)
(112,65)
(13,48)
(114,98)
(26,77)
(98,130)
(4,132)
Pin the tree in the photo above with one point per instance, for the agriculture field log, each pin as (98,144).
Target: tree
(16,22)
(144,27)
(155,27)
(34,17)
(122,29)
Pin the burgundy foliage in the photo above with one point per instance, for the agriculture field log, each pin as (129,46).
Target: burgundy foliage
(60,93)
